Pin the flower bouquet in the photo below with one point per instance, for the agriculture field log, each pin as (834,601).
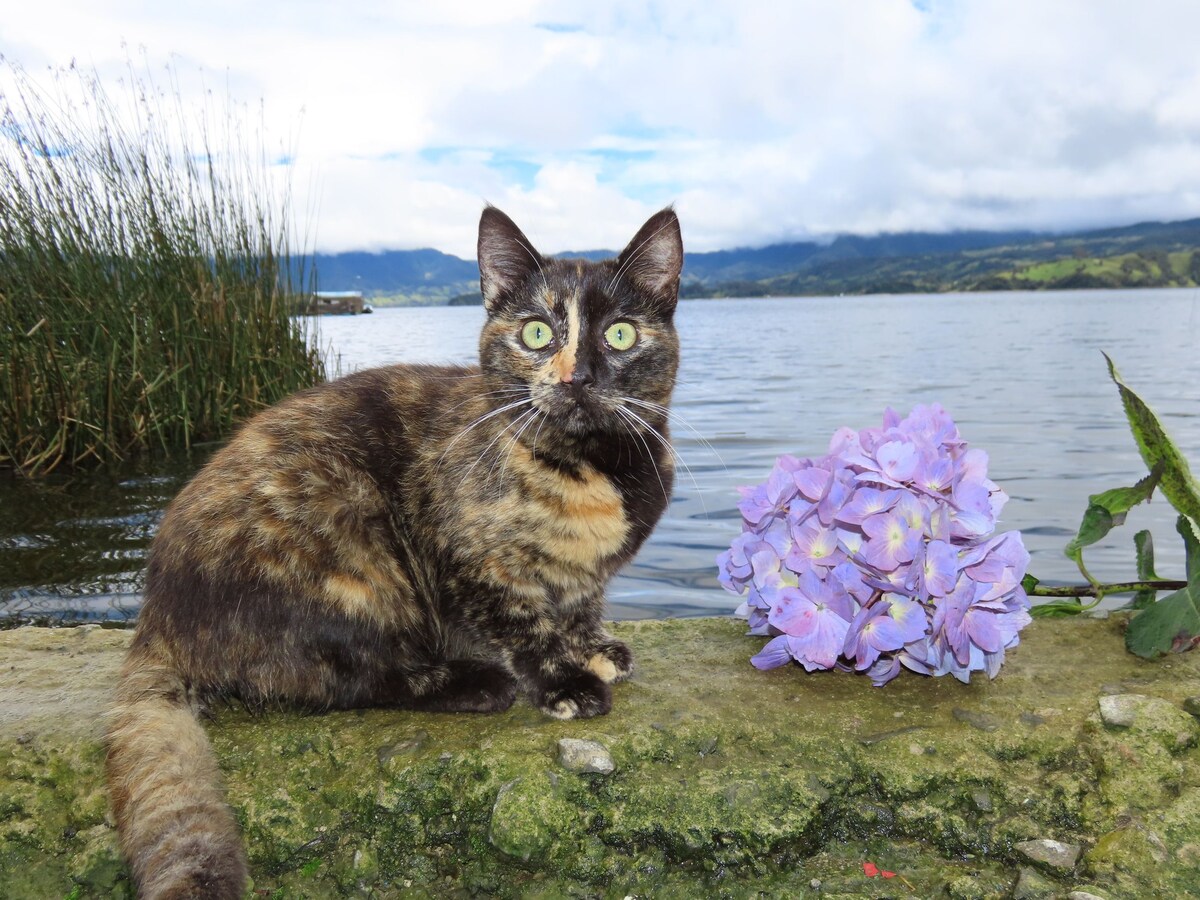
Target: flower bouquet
(881,554)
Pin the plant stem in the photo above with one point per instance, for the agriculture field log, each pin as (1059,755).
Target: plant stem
(1090,590)
(1093,588)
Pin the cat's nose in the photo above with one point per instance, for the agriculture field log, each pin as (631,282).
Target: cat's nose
(581,378)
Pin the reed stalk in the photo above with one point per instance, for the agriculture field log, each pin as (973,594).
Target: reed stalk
(148,281)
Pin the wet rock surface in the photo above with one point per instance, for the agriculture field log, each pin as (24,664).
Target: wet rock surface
(584,756)
(732,782)
(1052,854)
(1033,886)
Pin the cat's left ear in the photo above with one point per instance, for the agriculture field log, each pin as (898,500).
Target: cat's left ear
(506,257)
(654,258)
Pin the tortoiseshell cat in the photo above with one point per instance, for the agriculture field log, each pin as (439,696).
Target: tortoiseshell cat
(432,538)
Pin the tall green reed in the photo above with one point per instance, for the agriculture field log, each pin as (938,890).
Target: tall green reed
(148,283)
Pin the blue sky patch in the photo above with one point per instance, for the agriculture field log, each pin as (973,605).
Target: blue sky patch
(515,169)
(559,27)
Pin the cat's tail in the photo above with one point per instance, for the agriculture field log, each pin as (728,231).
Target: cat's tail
(177,833)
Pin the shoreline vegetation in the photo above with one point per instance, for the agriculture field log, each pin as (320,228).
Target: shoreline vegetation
(148,276)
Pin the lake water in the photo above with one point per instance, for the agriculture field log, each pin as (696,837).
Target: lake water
(1022,375)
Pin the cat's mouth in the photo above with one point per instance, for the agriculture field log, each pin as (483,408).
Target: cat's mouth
(575,413)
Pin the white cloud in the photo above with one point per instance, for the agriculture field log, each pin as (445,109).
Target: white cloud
(761,121)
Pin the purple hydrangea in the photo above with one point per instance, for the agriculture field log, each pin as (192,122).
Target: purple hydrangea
(881,555)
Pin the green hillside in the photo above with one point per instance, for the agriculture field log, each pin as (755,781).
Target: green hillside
(1000,270)
(1150,254)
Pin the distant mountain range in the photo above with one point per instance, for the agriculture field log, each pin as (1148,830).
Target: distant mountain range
(1143,255)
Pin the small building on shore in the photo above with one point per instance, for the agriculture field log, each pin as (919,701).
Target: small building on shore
(337,303)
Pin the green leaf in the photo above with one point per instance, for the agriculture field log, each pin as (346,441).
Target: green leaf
(1191,549)
(1143,541)
(1029,582)
(1097,522)
(1172,625)
(1107,510)
(1057,610)
(1178,485)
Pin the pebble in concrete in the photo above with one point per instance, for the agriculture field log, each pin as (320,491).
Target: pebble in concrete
(1151,715)
(1053,854)
(584,756)
(976,719)
(1121,710)
(1033,886)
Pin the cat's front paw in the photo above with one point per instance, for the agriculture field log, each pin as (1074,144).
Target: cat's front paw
(611,661)
(579,695)
(469,685)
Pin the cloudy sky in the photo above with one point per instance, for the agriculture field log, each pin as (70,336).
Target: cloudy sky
(761,121)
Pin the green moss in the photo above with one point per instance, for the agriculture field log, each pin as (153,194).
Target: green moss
(728,782)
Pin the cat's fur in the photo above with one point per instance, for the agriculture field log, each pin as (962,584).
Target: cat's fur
(411,536)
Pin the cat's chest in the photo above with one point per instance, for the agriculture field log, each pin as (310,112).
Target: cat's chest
(584,515)
(549,528)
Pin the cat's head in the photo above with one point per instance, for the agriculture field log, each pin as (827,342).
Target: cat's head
(591,344)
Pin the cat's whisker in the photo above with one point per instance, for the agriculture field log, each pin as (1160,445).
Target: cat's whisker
(675,416)
(674,453)
(506,392)
(689,392)
(463,433)
(537,434)
(646,427)
(503,431)
(494,412)
(512,444)
(633,430)
(503,456)
(459,377)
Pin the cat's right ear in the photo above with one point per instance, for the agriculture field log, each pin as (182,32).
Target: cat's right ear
(506,257)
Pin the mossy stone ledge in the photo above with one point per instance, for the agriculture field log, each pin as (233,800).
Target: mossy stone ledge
(727,781)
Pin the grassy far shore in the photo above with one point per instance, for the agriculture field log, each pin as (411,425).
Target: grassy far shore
(1124,270)
(967,272)
(147,273)
(1143,255)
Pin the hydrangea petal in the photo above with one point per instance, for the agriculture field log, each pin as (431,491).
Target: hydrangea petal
(885,669)
(898,460)
(983,630)
(820,646)
(909,616)
(867,502)
(773,655)
(939,569)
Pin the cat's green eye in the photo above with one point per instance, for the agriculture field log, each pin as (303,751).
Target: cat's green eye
(621,336)
(536,335)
